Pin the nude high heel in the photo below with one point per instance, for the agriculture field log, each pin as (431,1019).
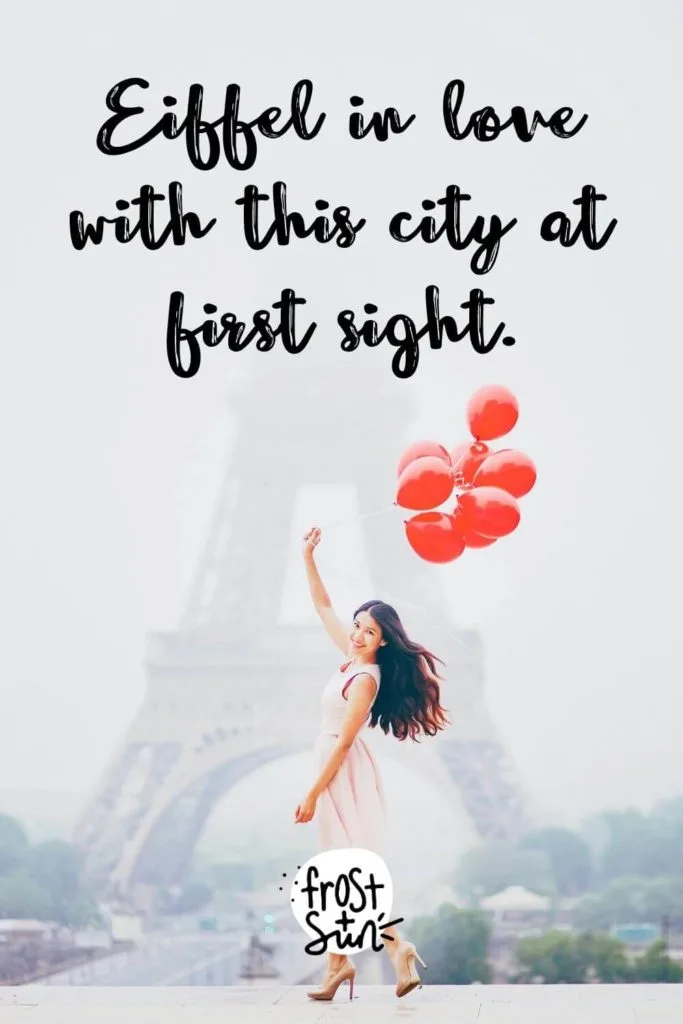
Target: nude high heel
(328,990)
(407,977)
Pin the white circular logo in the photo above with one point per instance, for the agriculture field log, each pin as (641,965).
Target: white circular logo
(342,900)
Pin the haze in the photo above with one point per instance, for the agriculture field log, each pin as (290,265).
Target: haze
(112,464)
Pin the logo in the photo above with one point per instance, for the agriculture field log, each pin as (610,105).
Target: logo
(342,900)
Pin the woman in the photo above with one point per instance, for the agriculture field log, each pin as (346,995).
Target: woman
(388,681)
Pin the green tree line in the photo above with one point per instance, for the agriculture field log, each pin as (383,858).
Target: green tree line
(455,944)
(621,866)
(42,880)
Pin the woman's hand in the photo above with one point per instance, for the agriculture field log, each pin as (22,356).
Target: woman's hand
(311,540)
(305,811)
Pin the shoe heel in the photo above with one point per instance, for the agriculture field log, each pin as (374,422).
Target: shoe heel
(351,981)
(417,955)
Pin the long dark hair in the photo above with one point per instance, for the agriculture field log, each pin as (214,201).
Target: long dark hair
(408,702)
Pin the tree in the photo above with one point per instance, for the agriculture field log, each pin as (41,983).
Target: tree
(14,844)
(56,866)
(655,966)
(559,958)
(663,897)
(620,902)
(632,900)
(570,857)
(590,912)
(647,846)
(672,811)
(454,943)
(81,910)
(22,897)
(42,881)
(606,956)
(489,869)
(554,957)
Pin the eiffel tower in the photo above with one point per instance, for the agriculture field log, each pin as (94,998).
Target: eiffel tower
(233,688)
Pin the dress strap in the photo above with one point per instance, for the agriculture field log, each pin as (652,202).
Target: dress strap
(367,670)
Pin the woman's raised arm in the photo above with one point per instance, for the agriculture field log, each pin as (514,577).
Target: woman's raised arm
(321,600)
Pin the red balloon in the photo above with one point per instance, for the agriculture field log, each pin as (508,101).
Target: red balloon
(466,460)
(425,483)
(475,540)
(488,511)
(512,471)
(432,536)
(419,450)
(491,412)
(472,539)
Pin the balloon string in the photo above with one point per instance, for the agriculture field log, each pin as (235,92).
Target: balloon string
(402,600)
(461,459)
(393,596)
(380,511)
(456,467)
(357,519)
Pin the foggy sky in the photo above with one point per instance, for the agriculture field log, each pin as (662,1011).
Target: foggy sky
(111,464)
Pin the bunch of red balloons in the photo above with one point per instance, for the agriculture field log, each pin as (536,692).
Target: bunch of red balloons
(488,483)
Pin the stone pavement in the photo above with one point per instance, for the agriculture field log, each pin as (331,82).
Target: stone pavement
(373,1004)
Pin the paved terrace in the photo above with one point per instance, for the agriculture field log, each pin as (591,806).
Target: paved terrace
(373,1004)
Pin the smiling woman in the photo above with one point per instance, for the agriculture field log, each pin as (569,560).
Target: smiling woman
(386,680)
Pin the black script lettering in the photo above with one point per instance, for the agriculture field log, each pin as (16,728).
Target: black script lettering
(488,239)
(179,338)
(557,226)
(486,125)
(342,890)
(324,889)
(345,921)
(373,886)
(381,124)
(310,888)
(402,333)
(344,940)
(360,889)
(284,222)
(202,139)
(145,224)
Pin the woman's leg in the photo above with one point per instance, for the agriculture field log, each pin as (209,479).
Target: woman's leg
(392,941)
(402,955)
(334,962)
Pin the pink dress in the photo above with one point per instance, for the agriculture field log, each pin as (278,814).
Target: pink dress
(351,811)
